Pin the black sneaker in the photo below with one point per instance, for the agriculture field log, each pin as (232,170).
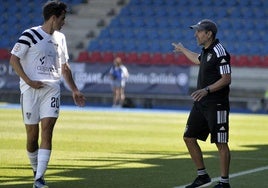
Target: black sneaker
(222,185)
(200,181)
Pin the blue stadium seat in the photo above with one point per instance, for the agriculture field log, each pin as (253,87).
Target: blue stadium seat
(219,4)
(258,14)
(155,46)
(241,35)
(244,3)
(126,22)
(231,3)
(142,46)
(211,14)
(172,11)
(124,12)
(166,46)
(173,22)
(152,34)
(140,34)
(94,45)
(177,35)
(128,33)
(196,12)
(181,3)
(257,3)
(160,11)
(152,25)
(158,2)
(164,34)
(246,12)
(135,2)
(117,45)
(162,23)
(137,22)
(116,22)
(130,45)
(224,25)
(105,33)
(146,11)
(115,33)
(105,45)
(233,12)
(147,2)
(150,22)
(135,11)
(4,42)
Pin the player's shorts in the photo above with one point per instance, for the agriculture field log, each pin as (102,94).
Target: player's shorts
(119,83)
(40,103)
(210,118)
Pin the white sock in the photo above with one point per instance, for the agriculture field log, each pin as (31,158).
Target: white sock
(43,158)
(224,179)
(33,159)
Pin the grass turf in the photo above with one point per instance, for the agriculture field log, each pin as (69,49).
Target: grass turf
(129,149)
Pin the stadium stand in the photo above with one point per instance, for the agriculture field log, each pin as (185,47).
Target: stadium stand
(149,26)
(17,16)
(155,24)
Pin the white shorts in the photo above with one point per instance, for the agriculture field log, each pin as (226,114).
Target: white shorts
(119,83)
(40,103)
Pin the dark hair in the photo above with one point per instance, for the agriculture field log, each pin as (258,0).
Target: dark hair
(53,8)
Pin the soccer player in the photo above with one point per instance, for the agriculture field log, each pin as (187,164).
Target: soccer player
(40,57)
(210,111)
(118,74)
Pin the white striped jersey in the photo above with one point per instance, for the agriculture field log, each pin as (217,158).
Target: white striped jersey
(221,52)
(41,55)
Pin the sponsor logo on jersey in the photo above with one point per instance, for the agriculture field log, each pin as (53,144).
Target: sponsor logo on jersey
(42,60)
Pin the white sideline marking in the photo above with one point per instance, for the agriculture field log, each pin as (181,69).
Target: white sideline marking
(235,174)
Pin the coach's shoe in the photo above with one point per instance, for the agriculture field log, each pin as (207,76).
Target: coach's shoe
(40,183)
(222,185)
(200,181)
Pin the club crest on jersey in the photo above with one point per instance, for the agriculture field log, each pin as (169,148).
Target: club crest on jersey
(209,57)
(28,115)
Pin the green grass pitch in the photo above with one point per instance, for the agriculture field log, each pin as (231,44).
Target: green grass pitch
(129,149)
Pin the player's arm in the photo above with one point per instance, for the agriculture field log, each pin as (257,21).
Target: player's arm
(15,63)
(225,71)
(192,56)
(78,97)
(221,83)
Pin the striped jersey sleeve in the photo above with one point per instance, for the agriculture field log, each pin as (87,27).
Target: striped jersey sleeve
(27,39)
(224,58)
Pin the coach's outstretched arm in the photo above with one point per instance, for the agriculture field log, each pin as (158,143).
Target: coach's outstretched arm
(192,56)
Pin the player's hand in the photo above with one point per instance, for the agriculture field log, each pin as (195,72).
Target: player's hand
(177,47)
(36,84)
(79,99)
(199,94)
